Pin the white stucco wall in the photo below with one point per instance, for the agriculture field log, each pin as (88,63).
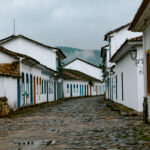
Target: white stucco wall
(35,72)
(132,83)
(8,88)
(44,55)
(85,68)
(120,37)
(4,58)
(86,92)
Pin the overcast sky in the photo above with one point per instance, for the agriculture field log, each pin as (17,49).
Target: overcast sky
(75,23)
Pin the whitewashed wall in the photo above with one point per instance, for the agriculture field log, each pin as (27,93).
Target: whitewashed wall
(86,92)
(8,88)
(132,83)
(120,37)
(4,58)
(36,73)
(42,54)
(85,68)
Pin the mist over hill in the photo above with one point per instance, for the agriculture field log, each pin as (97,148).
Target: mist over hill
(92,56)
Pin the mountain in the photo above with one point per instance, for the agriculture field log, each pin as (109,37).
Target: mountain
(92,56)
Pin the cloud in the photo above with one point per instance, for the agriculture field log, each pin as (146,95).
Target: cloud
(75,23)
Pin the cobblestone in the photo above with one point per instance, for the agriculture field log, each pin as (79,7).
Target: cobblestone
(81,123)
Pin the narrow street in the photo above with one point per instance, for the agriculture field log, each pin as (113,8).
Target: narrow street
(85,123)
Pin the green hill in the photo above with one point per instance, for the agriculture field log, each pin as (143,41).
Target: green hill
(92,56)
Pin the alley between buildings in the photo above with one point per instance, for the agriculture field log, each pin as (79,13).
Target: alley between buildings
(80,123)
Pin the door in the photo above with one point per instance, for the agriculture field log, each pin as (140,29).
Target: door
(55,90)
(96,90)
(90,90)
(87,90)
(70,90)
(47,91)
(34,90)
(31,90)
(18,93)
(82,90)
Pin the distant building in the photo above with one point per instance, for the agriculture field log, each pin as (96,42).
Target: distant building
(85,67)
(78,84)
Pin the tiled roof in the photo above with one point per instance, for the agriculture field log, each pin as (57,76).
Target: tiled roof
(18,55)
(82,61)
(140,38)
(139,13)
(39,43)
(75,74)
(11,69)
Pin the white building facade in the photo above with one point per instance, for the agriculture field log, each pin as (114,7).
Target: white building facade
(78,84)
(128,80)
(141,23)
(24,81)
(85,67)
(115,39)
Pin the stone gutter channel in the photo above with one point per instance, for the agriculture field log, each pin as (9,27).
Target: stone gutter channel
(121,109)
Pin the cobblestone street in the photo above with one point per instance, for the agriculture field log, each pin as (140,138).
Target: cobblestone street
(85,123)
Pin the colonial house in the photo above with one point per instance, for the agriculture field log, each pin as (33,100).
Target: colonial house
(46,55)
(85,67)
(78,84)
(129,76)
(115,39)
(24,80)
(141,23)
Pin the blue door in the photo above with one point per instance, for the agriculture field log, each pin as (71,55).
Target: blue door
(31,90)
(47,91)
(18,93)
(70,90)
(80,90)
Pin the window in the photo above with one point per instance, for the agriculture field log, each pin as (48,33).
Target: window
(100,89)
(122,86)
(45,87)
(27,81)
(77,88)
(22,77)
(42,87)
(74,88)
(67,88)
(37,85)
(49,87)
(148,72)
(116,87)
(27,78)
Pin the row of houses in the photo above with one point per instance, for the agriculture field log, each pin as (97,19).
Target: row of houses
(32,73)
(126,62)
(123,75)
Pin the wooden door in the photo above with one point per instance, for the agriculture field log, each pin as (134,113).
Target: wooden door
(34,90)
